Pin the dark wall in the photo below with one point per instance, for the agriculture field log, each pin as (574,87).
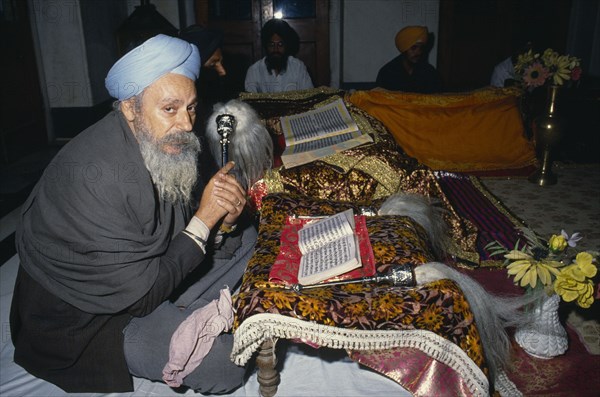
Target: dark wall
(22,117)
(475,35)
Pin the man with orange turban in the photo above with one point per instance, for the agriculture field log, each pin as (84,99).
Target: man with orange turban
(410,70)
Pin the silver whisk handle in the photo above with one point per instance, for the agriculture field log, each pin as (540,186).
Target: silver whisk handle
(226,124)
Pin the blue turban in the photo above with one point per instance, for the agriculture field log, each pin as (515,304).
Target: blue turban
(148,62)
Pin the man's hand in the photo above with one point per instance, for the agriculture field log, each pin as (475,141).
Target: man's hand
(223,198)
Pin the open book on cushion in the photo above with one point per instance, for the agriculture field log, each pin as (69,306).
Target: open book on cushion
(287,264)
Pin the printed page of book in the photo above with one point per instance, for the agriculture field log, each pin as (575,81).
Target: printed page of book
(329,247)
(305,153)
(285,269)
(328,120)
(319,233)
(335,258)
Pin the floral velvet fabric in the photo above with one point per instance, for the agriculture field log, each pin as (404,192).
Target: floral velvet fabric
(439,307)
(369,173)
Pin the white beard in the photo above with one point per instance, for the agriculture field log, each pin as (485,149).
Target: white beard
(174,175)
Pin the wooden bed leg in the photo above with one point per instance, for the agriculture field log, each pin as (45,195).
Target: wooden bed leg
(268,376)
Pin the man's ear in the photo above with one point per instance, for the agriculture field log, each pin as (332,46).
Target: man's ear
(128,109)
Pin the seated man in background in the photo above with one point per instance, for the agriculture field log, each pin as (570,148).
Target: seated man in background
(210,83)
(115,225)
(279,70)
(410,71)
(503,74)
(209,42)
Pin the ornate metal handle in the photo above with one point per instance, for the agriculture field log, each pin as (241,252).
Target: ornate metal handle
(399,276)
(226,124)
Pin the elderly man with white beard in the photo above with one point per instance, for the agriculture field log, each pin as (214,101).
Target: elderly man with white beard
(118,243)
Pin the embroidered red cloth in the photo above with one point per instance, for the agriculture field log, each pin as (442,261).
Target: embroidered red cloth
(287,263)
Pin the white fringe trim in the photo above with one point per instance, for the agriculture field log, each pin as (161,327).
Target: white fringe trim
(256,329)
(506,387)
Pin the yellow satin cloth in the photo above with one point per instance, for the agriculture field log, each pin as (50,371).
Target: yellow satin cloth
(475,131)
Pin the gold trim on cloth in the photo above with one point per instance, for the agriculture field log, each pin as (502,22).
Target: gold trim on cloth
(497,203)
(517,223)
(364,174)
(449,98)
(289,95)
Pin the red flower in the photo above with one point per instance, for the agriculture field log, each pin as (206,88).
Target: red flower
(576,73)
(535,75)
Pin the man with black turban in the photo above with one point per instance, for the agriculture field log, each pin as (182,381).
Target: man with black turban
(116,225)
(410,71)
(209,42)
(279,70)
(212,85)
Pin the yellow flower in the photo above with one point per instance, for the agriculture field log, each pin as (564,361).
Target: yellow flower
(527,270)
(584,261)
(570,289)
(547,262)
(581,268)
(586,298)
(557,243)
(550,57)
(516,254)
(574,281)
(563,72)
(534,69)
(523,60)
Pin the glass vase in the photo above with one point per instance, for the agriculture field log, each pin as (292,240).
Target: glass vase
(545,337)
(547,131)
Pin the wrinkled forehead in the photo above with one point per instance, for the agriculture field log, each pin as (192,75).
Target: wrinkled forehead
(171,87)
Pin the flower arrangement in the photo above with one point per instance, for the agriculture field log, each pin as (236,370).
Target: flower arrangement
(549,265)
(535,69)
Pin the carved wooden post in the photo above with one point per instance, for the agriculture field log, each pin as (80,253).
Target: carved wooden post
(268,376)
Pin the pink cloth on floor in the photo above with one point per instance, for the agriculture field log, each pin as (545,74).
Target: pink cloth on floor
(194,337)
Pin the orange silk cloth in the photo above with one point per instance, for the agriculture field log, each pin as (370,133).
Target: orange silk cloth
(460,132)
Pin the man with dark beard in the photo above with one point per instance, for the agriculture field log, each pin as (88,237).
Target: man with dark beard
(410,71)
(114,227)
(278,71)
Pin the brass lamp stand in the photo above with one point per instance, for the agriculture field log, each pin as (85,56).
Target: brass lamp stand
(547,131)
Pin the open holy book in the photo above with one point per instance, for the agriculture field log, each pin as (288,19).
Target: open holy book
(318,133)
(313,250)
(329,247)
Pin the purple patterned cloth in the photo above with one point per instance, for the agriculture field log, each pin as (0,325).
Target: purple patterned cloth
(470,203)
